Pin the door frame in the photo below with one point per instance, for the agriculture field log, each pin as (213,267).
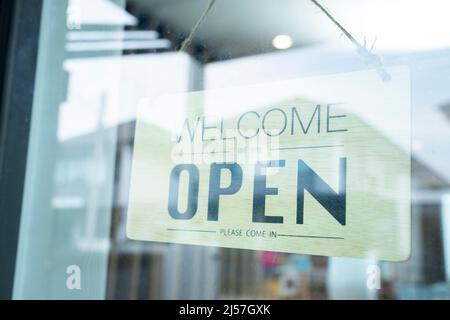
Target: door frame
(19,38)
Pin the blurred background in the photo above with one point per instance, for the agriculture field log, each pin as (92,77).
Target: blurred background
(98,58)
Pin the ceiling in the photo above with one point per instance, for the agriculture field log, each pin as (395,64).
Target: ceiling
(245,27)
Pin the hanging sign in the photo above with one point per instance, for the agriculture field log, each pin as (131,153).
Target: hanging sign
(315,166)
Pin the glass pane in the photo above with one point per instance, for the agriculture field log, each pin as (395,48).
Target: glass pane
(101,61)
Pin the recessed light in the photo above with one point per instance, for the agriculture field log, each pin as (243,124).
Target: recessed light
(282,42)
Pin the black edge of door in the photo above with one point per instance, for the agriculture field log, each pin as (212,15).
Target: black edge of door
(19,37)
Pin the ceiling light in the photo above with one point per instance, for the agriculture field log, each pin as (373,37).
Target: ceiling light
(282,41)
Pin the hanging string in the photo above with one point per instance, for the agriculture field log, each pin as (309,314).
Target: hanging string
(368,56)
(188,40)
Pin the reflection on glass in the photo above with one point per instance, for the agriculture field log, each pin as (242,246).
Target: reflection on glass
(99,59)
